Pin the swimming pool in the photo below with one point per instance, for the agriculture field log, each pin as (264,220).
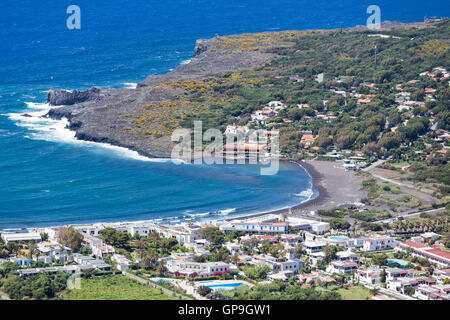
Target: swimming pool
(221,284)
(400,262)
(225,286)
(338,238)
(166,280)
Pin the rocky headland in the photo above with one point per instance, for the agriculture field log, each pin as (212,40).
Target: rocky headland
(141,119)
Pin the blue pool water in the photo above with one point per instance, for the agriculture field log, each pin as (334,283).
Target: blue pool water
(47,178)
(227,286)
(339,238)
(166,280)
(400,262)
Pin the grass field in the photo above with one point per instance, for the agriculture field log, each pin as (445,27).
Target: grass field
(115,287)
(355,293)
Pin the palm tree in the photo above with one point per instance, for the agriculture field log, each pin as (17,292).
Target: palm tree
(141,245)
(32,247)
(161,268)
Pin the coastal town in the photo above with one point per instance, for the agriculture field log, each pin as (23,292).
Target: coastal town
(377,227)
(234,258)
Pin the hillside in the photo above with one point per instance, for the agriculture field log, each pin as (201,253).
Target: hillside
(354,107)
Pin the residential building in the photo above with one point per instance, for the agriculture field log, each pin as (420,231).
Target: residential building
(342,267)
(314,246)
(379,243)
(196,269)
(21,237)
(369,276)
(436,256)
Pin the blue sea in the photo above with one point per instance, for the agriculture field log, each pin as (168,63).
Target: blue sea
(48,178)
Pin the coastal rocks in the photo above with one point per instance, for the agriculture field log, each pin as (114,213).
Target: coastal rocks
(59,113)
(58,97)
(202,45)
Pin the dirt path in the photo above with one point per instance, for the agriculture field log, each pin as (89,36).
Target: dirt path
(384,175)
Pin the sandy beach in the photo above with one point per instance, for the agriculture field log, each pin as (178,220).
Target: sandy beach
(336,187)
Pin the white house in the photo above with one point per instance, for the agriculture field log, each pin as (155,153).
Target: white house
(368,276)
(347,256)
(122,262)
(436,256)
(342,267)
(434,292)
(53,251)
(21,237)
(395,273)
(196,269)
(379,243)
(314,246)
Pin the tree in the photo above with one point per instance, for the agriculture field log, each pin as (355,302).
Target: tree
(149,261)
(88,273)
(299,251)
(70,237)
(330,253)
(44,236)
(223,254)
(161,268)
(338,223)
(86,250)
(204,291)
(259,271)
(380,259)
(33,249)
(409,290)
(115,238)
(214,235)
(249,245)
(446,240)
(277,250)
(265,246)
(383,276)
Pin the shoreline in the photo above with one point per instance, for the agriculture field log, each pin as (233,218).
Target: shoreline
(323,173)
(320,178)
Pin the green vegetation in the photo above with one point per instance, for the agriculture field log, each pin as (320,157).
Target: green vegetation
(355,293)
(70,237)
(39,287)
(115,287)
(278,290)
(115,238)
(338,223)
(437,223)
(232,96)
(257,272)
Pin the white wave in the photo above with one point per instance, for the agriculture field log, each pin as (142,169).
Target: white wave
(57,131)
(34,105)
(199,214)
(186,61)
(226,211)
(306,193)
(130,85)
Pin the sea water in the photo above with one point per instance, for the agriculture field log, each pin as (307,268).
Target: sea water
(49,178)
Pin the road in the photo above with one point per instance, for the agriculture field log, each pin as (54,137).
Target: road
(391,293)
(410,214)
(154,285)
(373,165)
